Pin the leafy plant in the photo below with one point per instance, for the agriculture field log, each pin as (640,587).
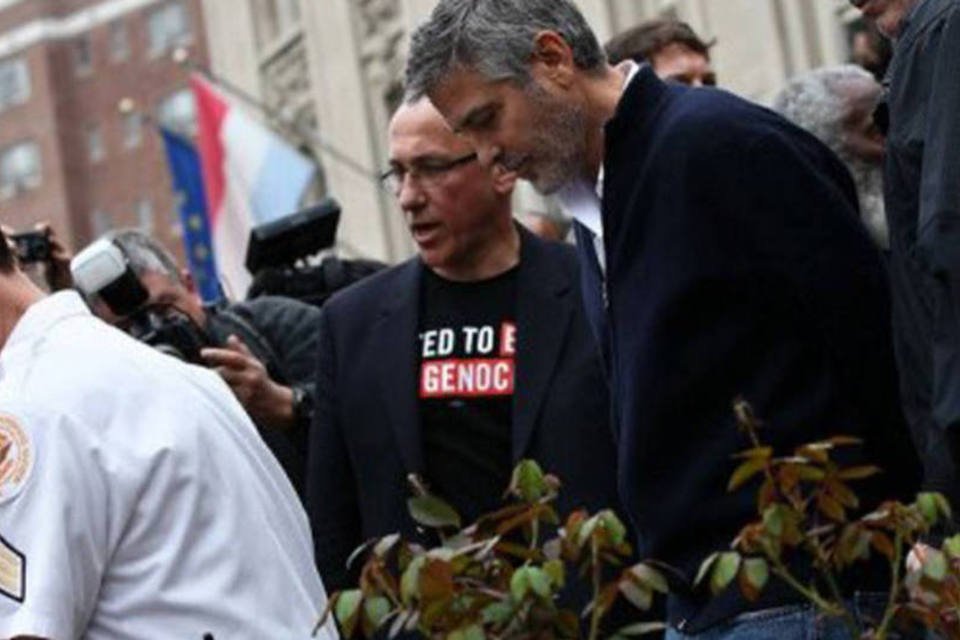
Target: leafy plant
(501,576)
(804,506)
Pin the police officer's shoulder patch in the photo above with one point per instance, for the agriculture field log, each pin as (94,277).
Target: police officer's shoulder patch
(16,457)
(13,571)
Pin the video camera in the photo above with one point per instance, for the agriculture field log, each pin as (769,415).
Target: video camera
(102,271)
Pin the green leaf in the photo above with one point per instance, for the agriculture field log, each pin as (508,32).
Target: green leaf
(614,526)
(745,472)
(705,568)
(641,628)
(556,571)
(539,581)
(639,596)
(649,577)
(519,584)
(756,572)
(385,544)
(431,511)
(497,613)
(927,504)
(773,519)
(858,473)
(376,609)
(724,571)
(935,565)
(346,610)
(952,546)
(473,632)
(943,505)
(410,580)
(528,481)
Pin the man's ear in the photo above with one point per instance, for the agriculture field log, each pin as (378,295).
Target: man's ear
(553,59)
(503,181)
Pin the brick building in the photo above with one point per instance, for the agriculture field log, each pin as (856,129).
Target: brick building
(67,154)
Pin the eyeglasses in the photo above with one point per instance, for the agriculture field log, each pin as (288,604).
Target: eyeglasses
(426,171)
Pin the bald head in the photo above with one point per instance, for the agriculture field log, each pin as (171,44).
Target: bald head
(422,121)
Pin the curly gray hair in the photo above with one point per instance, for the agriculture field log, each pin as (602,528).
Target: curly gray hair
(494,38)
(818,101)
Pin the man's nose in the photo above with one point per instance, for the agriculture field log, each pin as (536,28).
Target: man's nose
(410,196)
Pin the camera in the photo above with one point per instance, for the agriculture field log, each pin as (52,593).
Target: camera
(32,246)
(102,271)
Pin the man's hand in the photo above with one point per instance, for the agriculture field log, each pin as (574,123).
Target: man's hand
(267,402)
(57,267)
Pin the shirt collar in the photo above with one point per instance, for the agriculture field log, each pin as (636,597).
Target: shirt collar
(39,318)
(576,197)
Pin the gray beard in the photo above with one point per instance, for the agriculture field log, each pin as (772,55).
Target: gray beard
(869,182)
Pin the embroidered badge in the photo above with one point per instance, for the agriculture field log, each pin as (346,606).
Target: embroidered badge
(13,569)
(16,457)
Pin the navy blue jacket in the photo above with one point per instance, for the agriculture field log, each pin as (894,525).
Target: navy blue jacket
(366,436)
(736,266)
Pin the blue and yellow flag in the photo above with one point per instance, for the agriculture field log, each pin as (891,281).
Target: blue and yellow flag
(184,162)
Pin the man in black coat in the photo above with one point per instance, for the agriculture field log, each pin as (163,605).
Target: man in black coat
(453,365)
(730,262)
(922,198)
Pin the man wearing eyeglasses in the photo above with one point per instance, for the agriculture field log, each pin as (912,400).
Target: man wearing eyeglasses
(454,365)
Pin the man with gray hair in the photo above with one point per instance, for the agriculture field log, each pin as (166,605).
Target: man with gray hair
(731,262)
(836,104)
(264,349)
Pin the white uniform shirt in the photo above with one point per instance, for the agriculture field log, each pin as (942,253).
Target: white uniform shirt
(137,500)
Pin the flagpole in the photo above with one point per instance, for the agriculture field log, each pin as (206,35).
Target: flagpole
(308,139)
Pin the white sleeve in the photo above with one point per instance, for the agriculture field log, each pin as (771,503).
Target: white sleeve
(53,525)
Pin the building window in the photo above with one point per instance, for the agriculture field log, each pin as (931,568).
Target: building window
(169,27)
(119,43)
(19,169)
(143,210)
(178,112)
(95,149)
(14,82)
(82,55)
(132,130)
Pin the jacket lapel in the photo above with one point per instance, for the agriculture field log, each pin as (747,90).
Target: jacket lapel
(396,333)
(543,319)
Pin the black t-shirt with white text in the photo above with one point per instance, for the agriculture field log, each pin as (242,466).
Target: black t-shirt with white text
(467,343)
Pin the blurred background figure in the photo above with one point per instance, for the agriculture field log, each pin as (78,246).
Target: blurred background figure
(870,50)
(672,47)
(836,105)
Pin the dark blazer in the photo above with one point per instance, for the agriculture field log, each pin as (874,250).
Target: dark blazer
(736,266)
(366,436)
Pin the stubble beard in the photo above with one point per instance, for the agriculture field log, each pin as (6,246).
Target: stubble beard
(558,141)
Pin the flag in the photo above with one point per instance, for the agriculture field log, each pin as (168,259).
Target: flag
(184,163)
(250,174)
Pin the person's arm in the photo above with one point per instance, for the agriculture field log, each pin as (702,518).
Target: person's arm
(938,227)
(331,492)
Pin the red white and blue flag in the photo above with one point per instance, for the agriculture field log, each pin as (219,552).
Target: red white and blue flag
(250,175)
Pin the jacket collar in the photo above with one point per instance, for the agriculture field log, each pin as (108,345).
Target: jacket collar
(642,98)
(543,319)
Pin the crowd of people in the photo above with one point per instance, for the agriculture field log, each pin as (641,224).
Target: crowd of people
(802,258)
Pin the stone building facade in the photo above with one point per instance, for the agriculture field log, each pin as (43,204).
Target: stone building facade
(332,71)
